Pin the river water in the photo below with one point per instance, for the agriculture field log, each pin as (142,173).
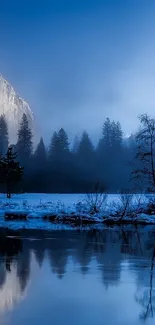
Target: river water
(90,277)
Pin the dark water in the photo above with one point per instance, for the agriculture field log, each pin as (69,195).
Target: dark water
(93,277)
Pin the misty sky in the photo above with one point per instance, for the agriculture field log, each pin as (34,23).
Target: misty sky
(78,61)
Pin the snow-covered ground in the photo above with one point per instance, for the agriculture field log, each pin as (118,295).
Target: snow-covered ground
(38,206)
(40,201)
(36,199)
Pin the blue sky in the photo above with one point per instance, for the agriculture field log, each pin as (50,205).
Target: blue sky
(77,62)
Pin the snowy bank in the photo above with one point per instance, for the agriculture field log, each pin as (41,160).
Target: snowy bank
(70,211)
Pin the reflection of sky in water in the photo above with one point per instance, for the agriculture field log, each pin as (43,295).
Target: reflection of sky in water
(10,293)
(80,278)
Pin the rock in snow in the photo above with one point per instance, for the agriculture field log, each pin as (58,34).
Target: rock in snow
(13,107)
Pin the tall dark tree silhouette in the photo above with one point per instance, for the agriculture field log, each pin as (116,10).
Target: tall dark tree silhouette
(116,135)
(85,149)
(53,147)
(24,143)
(105,142)
(40,155)
(59,145)
(85,162)
(107,134)
(39,168)
(59,158)
(109,155)
(10,171)
(4,138)
(112,136)
(63,140)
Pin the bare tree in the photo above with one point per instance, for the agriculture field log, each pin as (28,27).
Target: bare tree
(96,200)
(123,205)
(146,152)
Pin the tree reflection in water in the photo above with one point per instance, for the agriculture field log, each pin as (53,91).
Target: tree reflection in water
(148,296)
(10,250)
(109,248)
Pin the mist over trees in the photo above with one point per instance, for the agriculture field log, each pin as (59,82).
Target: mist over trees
(62,167)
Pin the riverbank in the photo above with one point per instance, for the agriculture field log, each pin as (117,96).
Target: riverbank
(74,211)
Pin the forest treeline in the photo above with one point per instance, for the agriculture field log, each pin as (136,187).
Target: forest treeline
(62,168)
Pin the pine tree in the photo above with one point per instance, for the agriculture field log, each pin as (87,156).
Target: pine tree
(63,141)
(105,142)
(24,143)
(59,145)
(10,171)
(40,155)
(116,135)
(39,168)
(109,149)
(53,147)
(85,162)
(86,149)
(59,160)
(112,137)
(107,134)
(4,139)
(119,133)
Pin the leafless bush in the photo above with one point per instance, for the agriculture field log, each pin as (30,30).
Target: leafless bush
(124,205)
(129,204)
(96,201)
(150,206)
(140,202)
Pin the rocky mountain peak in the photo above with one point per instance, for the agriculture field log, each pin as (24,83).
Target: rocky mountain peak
(13,107)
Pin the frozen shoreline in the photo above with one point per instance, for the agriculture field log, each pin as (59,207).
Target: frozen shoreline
(68,211)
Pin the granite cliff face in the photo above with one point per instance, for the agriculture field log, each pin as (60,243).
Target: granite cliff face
(13,107)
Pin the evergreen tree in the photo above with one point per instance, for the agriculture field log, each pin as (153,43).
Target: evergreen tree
(59,160)
(86,149)
(107,134)
(105,143)
(53,147)
(24,143)
(109,149)
(112,136)
(10,171)
(38,170)
(63,141)
(119,133)
(116,135)
(40,155)
(85,162)
(4,139)
(59,145)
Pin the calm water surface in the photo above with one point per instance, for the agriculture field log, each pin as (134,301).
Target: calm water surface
(91,277)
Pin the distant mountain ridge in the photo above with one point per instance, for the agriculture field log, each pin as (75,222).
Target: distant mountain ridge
(13,107)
